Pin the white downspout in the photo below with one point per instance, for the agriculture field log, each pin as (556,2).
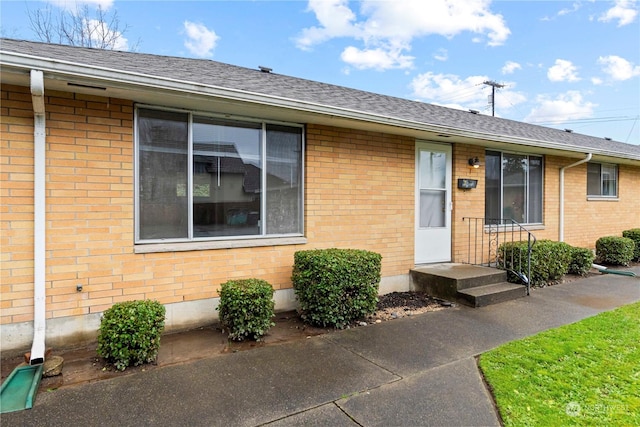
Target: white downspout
(39,224)
(579,162)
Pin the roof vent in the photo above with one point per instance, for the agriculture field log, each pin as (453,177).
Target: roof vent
(607,138)
(265,69)
(474,111)
(569,130)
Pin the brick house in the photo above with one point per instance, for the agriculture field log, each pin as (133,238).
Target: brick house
(132,176)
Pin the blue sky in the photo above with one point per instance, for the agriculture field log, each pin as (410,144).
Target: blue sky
(573,64)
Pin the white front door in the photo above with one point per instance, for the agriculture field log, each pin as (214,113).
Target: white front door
(433,203)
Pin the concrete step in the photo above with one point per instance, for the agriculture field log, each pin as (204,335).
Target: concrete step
(446,279)
(481,296)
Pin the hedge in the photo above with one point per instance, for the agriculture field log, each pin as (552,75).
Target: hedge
(336,286)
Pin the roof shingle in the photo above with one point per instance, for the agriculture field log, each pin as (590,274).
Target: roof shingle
(212,73)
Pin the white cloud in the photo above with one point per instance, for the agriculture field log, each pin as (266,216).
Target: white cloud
(507,99)
(200,40)
(441,55)
(377,58)
(624,11)
(596,81)
(566,11)
(618,68)
(463,93)
(391,26)
(563,71)
(335,18)
(510,67)
(73,5)
(566,106)
(445,88)
(99,31)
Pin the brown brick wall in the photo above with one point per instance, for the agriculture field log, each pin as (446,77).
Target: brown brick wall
(16,209)
(359,193)
(585,220)
(466,203)
(355,197)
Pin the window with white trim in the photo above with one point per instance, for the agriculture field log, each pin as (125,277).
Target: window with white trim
(602,180)
(513,187)
(201,177)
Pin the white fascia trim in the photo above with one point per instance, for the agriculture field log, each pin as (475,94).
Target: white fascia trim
(126,79)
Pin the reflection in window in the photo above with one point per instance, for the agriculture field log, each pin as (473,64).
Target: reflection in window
(513,187)
(284,180)
(226,163)
(162,171)
(602,180)
(433,191)
(245,180)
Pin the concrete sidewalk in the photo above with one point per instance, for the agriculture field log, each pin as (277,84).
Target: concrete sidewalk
(417,370)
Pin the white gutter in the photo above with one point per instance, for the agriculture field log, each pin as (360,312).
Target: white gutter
(579,162)
(39,225)
(124,79)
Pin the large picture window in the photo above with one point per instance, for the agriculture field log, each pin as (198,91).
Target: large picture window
(602,180)
(202,177)
(513,187)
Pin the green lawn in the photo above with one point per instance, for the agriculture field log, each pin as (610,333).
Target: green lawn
(586,373)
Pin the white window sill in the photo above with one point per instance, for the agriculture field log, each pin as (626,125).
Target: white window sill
(602,199)
(217,244)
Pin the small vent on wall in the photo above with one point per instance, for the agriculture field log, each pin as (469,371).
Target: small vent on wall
(86,86)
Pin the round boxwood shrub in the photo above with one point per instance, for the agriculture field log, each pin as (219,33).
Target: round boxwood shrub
(246,308)
(130,332)
(581,260)
(615,250)
(634,234)
(336,286)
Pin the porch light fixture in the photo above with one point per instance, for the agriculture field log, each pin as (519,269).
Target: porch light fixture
(474,162)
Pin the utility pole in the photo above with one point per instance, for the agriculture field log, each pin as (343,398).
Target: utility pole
(493,85)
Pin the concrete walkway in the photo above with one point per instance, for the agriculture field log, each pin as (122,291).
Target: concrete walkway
(417,370)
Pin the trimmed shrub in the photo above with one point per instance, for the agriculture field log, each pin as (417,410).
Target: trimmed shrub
(130,332)
(581,260)
(549,260)
(614,250)
(246,308)
(336,286)
(634,234)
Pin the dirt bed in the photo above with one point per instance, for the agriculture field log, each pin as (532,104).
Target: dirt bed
(81,365)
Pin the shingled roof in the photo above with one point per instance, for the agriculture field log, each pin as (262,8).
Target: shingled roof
(217,74)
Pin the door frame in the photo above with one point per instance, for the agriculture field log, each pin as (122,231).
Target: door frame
(446,231)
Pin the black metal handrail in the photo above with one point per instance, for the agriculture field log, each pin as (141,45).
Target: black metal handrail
(493,233)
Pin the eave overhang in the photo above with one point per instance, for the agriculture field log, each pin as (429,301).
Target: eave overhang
(146,88)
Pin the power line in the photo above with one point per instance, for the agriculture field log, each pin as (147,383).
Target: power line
(460,93)
(586,120)
(631,130)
